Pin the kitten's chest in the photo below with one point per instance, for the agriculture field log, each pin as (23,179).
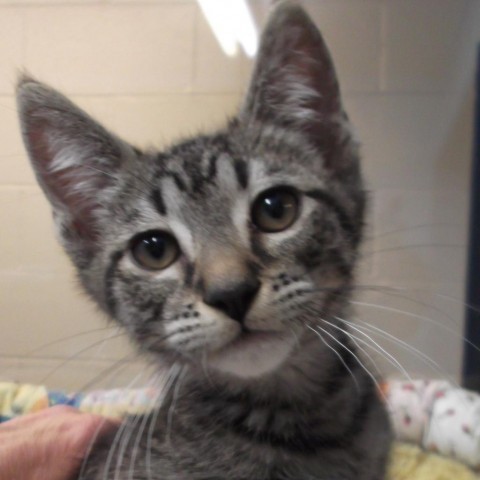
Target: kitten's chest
(239,441)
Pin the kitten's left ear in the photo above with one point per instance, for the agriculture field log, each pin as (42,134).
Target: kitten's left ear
(294,84)
(75,159)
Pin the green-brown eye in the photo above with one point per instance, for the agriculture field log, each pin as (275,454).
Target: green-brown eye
(275,210)
(154,250)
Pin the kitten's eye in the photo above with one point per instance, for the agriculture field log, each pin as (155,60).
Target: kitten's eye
(154,250)
(275,210)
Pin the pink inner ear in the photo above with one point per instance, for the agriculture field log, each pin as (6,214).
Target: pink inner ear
(61,187)
(295,85)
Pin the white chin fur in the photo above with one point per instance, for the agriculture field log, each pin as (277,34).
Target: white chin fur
(253,356)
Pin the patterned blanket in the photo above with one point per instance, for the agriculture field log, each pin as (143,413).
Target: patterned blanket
(434,417)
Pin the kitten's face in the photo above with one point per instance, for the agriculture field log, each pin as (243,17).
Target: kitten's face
(225,250)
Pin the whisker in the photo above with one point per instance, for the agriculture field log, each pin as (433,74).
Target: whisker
(145,417)
(423,357)
(120,363)
(367,371)
(132,421)
(412,228)
(173,373)
(378,348)
(412,246)
(394,289)
(109,371)
(337,354)
(31,353)
(364,351)
(118,436)
(67,337)
(422,304)
(78,353)
(174,401)
(43,380)
(420,317)
(89,449)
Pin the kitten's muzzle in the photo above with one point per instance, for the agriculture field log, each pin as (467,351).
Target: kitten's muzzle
(233,299)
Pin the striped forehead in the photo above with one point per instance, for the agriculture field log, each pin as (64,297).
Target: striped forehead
(207,188)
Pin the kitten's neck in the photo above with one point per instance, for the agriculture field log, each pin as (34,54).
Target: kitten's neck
(299,380)
(295,408)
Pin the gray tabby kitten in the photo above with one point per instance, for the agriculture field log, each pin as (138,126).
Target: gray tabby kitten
(229,257)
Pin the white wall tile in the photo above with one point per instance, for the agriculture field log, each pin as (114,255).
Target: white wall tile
(14,168)
(30,3)
(40,308)
(146,2)
(108,50)
(11,142)
(48,315)
(27,241)
(346,26)
(422,44)
(159,120)
(12,37)
(420,236)
(414,141)
(74,375)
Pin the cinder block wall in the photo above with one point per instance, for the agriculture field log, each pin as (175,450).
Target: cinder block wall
(153,73)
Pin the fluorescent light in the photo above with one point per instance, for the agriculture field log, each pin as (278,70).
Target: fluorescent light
(232,24)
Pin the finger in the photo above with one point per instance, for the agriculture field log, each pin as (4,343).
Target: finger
(88,430)
(31,418)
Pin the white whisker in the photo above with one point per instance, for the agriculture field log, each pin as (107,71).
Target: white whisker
(118,436)
(174,401)
(337,354)
(360,363)
(420,317)
(423,357)
(378,348)
(172,374)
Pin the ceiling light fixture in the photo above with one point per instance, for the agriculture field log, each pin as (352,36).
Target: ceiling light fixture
(233,25)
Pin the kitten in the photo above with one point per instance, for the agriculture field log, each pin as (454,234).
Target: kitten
(231,258)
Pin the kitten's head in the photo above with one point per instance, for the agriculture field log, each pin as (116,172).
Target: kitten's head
(225,249)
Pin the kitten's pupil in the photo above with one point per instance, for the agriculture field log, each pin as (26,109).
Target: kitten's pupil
(154,250)
(275,210)
(275,207)
(155,246)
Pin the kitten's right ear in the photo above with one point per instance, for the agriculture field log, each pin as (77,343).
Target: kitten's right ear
(75,159)
(294,84)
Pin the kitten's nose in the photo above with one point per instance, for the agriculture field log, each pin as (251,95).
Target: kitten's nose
(233,299)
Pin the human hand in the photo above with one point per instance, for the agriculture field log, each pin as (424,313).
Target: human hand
(49,445)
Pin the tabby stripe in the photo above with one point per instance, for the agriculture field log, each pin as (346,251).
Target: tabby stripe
(212,168)
(343,217)
(306,444)
(256,246)
(178,180)
(109,278)
(157,199)
(189,270)
(156,314)
(241,172)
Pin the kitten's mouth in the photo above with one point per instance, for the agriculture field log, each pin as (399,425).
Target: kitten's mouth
(253,353)
(249,338)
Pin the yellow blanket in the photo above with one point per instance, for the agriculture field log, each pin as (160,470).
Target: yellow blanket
(409,462)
